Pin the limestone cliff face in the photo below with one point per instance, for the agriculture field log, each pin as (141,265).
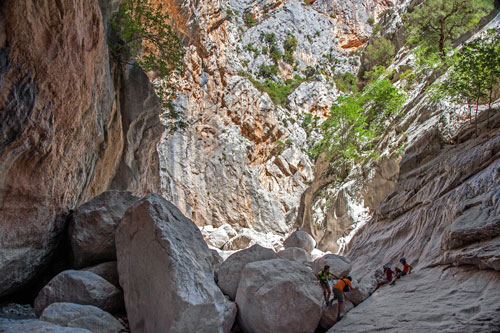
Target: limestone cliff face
(73,124)
(241,160)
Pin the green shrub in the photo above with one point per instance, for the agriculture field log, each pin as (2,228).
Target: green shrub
(371,21)
(268,71)
(346,82)
(380,52)
(249,20)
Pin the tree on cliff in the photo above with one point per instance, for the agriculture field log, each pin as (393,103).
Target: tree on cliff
(142,33)
(437,23)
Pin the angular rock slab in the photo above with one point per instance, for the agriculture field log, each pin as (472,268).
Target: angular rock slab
(340,266)
(229,273)
(80,287)
(296,254)
(166,272)
(278,296)
(329,316)
(83,316)
(92,227)
(300,239)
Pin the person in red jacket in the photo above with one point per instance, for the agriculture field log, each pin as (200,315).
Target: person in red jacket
(388,277)
(338,292)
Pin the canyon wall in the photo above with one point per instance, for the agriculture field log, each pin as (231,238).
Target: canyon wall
(73,124)
(241,160)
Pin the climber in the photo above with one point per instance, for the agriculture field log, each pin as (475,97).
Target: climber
(400,273)
(388,276)
(323,277)
(338,292)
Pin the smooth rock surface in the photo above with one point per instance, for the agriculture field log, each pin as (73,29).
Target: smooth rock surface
(300,239)
(278,296)
(230,270)
(330,313)
(340,266)
(82,316)
(92,227)
(296,254)
(107,270)
(80,287)
(174,289)
(37,326)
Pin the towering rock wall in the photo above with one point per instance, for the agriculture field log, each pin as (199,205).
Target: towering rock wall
(73,124)
(241,159)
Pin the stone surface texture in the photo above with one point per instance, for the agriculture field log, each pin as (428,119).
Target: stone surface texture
(72,123)
(80,287)
(339,265)
(173,290)
(92,227)
(296,254)
(82,316)
(107,270)
(37,326)
(300,239)
(278,296)
(230,270)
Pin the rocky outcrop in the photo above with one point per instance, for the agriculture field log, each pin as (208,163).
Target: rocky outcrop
(92,227)
(35,326)
(80,287)
(300,239)
(278,296)
(186,297)
(70,129)
(330,314)
(230,270)
(81,316)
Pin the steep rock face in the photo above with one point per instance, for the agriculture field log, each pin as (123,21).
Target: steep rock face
(71,125)
(241,160)
(442,213)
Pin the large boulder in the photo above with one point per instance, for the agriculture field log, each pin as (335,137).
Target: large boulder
(278,296)
(80,287)
(300,239)
(218,237)
(296,254)
(106,270)
(92,227)
(248,237)
(174,289)
(82,316)
(339,265)
(230,270)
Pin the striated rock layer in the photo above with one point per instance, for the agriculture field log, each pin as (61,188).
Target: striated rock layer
(72,125)
(443,216)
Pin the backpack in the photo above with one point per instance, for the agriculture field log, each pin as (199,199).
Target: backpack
(346,286)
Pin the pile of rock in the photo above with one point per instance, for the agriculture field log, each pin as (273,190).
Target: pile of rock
(169,280)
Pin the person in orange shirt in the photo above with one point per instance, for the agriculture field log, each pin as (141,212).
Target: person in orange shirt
(338,292)
(406,270)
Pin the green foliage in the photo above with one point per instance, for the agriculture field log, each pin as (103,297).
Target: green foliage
(140,31)
(249,20)
(274,52)
(380,52)
(288,58)
(436,23)
(371,21)
(253,49)
(278,92)
(475,72)
(268,71)
(290,44)
(356,121)
(346,82)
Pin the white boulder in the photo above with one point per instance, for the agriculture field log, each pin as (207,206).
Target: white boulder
(296,254)
(340,266)
(230,270)
(300,239)
(166,272)
(278,296)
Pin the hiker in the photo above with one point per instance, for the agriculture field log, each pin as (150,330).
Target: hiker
(323,277)
(338,292)
(388,277)
(400,273)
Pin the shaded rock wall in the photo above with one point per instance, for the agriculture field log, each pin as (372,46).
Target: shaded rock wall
(71,126)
